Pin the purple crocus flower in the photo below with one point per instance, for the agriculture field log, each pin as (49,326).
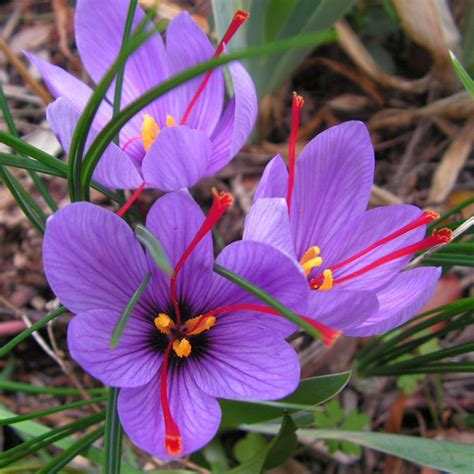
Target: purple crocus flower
(192,337)
(178,139)
(344,249)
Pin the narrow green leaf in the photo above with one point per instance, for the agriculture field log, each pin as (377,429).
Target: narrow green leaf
(29,207)
(462,74)
(448,367)
(27,388)
(268,299)
(127,312)
(28,331)
(153,245)
(113,436)
(30,150)
(28,164)
(50,437)
(382,345)
(393,352)
(13,131)
(312,391)
(33,429)
(442,455)
(69,406)
(108,133)
(70,453)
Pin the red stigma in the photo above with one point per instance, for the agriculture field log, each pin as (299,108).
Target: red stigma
(297,105)
(442,236)
(425,218)
(121,212)
(240,17)
(221,203)
(327,335)
(173,439)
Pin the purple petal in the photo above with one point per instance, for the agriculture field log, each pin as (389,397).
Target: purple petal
(100,26)
(268,222)
(175,219)
(177,158)
(274,181)
(92,259)
(196,414)
(115,169)
(333,182)
(187,46)
(62,84)
(362,232)
(270,270)
(400,300)
(339,309)
(246,362)
(237,122)
(131,364)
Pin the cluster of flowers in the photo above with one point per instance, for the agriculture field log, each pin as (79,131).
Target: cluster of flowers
(308,241)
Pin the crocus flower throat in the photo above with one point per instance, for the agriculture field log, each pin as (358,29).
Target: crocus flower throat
(150,128)
(312,258)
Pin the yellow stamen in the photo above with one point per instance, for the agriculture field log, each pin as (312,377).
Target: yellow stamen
(164,323)
(311,259)
(150,131)
(197,325)
(328,282)
(182,347)
(170,121)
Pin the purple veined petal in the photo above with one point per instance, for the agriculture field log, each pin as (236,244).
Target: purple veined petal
(99,29)
(237,121)
(175,219)
(274,181)
(92,259)
(340,309)
(270,270)
(186,46)
(197,415)
(400,300)
(334,175)
(245,361)
(177,158)
(115,169)
(62,84)
(362,232)
(131,364)
(268,222)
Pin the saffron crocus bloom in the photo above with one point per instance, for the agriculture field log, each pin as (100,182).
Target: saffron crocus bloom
(178,139)
(192,337)
(343,248)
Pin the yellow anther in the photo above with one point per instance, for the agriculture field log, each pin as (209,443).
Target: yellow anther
(170,121)
(197,325)
(311,259)
(182,347)
(163,323)
(150,130)
(328,282)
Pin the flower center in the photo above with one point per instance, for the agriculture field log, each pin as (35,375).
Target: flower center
(179,337)
(326,280)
